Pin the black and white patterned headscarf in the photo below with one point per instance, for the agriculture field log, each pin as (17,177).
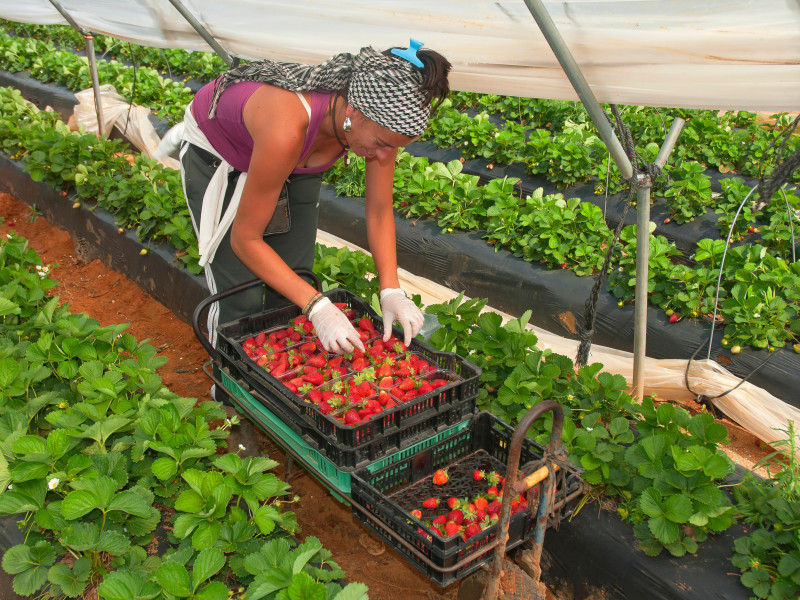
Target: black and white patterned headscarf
(385,88)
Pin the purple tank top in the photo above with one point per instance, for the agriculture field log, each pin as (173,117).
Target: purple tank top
(228,134)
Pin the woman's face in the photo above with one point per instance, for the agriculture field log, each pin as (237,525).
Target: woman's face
(370,140)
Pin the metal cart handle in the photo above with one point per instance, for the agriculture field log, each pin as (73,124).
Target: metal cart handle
(206,302)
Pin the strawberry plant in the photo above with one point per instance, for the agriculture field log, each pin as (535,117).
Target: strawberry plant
(769,556)
(95,452)
(689,192)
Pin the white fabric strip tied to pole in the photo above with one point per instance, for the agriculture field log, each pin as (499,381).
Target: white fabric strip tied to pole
(131,120)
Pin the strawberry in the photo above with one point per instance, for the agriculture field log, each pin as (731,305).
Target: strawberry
(385,370)
(456,516)
(437,383)
(407,384)
(673,318)
(424,388)
(440,477)
(431,503)
(315,396)
(453,503)
(261,338)
(249,343)
(386,383)
(479,475)
(471,530)
(397,393)
(313,377)
(336,361)
(494,478)
(390,403)
(410,395)
(440,520)
(325,407)
(351,417)
(416,514)
(359,364)
(316,360)
(493,508)
(480,503)
(452,528)
(365,324)
(421,531)
(492,491)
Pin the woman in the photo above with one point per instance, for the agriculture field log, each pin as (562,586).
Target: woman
(265,129)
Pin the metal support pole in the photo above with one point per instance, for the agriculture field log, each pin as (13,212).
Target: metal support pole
(642,259)
(642,279)
(200,28)
(578,81)
(98,105)
(89,38)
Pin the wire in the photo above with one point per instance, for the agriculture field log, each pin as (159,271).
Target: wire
(699,396)
(133,91)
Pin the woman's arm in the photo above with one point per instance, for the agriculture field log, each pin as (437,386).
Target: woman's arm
(380,217)
(277,123)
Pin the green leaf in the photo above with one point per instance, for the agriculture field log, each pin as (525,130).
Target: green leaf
(9,371)
(30,565)
(190,502)
(303,587)
(650,503)
(121,585)
(28,471)
(206,565)
(130,502)
(114,543)
(231,463)
(164,468)
(215,590)
(206,534)
(29,444)
(78,503)
(72,581)
(174,578)
(678,508)
(265,518)
(664,530)
(353,591)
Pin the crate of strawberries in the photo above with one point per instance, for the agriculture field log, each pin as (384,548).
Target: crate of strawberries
(445,500)
(358,406)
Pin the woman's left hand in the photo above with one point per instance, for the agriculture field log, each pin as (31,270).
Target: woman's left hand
(395,306)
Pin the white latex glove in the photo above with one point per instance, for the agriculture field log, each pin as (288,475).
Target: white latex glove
(395,306)
(334,329)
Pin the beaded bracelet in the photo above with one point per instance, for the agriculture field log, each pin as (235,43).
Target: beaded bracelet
(310,304)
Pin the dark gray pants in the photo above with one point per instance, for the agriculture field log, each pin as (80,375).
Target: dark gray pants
(295,247)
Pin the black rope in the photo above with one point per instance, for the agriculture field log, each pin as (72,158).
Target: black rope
(783,138)
(784,170)
(586,330)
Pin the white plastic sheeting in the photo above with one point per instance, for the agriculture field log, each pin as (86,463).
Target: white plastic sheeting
(755,409)
(717,54)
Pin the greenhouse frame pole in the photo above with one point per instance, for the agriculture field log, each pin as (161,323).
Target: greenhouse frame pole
(623,162)
(202,31)
(89,39)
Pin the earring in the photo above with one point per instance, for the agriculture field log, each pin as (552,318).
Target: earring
(347,125)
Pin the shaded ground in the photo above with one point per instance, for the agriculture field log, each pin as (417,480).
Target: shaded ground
(112,298)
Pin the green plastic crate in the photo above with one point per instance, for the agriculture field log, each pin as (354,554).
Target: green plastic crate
(336,479)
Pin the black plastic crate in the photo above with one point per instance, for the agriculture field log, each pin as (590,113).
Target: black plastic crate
(390,493)
(350,446)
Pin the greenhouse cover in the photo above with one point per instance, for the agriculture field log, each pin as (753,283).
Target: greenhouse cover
(717,54)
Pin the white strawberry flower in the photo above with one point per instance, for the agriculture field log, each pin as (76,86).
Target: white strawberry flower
(53,483)
(242,448)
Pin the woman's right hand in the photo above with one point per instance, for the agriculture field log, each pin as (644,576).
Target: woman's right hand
(333,328)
